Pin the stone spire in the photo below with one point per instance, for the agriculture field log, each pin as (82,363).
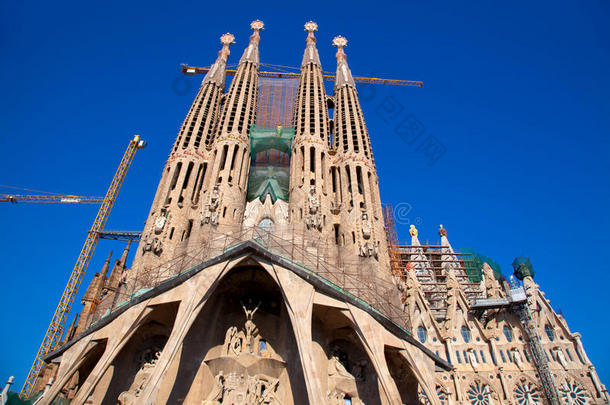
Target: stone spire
(176,206)
(217,73)
(344,74)
(226,199)
(117,271)
(311,189)
(361,217)
(311,52)
(106,266)
(251,52)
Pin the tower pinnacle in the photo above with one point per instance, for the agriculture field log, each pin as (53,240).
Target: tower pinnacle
(311,52)
(251,52)
(344,75)
(217,74)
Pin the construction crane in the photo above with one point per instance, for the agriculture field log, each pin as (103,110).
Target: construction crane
(42,198)
(327,76)
(55,330)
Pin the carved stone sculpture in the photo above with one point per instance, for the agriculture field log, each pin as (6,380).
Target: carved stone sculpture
(313,220)
(369,249)
(153,245)
(160,221)
(210,211)
(130,396)
(234,389)
(366,226)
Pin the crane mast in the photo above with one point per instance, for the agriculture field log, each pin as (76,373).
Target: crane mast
(55,330)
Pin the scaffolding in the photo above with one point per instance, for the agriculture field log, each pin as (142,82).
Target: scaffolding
(275,102)
(357,278)
(431,264)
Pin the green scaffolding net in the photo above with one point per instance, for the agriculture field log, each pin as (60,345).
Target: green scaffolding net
(270,165)
(473,262)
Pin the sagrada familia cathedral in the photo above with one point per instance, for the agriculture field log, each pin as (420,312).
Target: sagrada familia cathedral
(265,274)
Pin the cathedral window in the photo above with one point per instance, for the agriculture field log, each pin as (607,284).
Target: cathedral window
(493,357)
(465,357)
(223,157)
(483,357)
(359,179)
(569,354)
(465,334)
(262,345)
(572,393)
(336,227)
(189,227)
(172,185)
(421,334)
(171,233)
(459,357)
(266,224)
(549,332)
(508,333)
(479,394)
(527,394)
(502,356)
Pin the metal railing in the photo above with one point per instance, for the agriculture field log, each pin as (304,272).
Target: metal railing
(363,279)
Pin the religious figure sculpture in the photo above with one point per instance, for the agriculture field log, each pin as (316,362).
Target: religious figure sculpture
(130,396)
(153,245)
(366,226)
(313,210)
(210,211)
(250,327)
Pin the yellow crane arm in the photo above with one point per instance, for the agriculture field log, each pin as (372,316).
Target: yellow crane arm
(42,198)
(55,330)
(192,70)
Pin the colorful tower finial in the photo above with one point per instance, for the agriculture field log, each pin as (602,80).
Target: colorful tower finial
(311,26)
(251,52)
(311,53)
(344,75)
(442,231)
(257,25)
(339,42)
(227,39)
(413,231)
(217,71)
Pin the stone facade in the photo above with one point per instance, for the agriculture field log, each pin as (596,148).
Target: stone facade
(275,302)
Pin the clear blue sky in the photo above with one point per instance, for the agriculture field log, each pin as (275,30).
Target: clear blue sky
(517,93)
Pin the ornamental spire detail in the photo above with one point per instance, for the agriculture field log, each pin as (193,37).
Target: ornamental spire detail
(217,73)
(344,74)
(311,52)
(251,52)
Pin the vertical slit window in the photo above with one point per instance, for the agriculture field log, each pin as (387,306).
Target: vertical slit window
(172,184)
(312,159)
(223,157)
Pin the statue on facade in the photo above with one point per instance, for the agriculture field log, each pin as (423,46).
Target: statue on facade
(369,249)
(215,396)
(210,211)
(313,220)
(130,396)
(250,326)
(160,221)
(366,226)
(153,245)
